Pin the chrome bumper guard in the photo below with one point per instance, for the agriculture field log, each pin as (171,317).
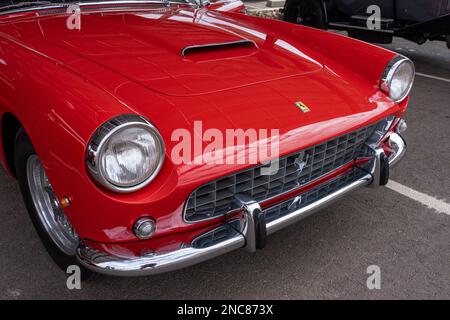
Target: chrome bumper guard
(253,230)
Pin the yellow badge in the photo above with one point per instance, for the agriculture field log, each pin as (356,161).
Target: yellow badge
(302,106)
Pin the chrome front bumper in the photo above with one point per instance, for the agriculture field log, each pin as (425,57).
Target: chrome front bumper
(184,257)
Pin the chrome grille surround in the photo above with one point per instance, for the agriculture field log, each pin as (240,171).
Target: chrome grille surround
(216,198)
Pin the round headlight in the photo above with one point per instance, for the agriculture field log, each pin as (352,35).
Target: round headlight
(125,154)
(398,78)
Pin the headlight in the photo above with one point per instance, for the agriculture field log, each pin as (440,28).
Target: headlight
(398,78)
(125,154)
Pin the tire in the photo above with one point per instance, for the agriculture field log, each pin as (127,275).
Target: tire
(25,154)
(447,38)
(306,12)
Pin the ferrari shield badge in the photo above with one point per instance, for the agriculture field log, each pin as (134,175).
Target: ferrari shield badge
(302,106)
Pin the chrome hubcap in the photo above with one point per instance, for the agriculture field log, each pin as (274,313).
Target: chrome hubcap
(49,210)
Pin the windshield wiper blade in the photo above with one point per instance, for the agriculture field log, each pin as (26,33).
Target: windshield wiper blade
(27,4)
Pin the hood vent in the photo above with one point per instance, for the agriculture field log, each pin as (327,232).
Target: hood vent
(202,48)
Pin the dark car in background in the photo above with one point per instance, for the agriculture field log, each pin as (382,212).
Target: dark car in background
(415,20)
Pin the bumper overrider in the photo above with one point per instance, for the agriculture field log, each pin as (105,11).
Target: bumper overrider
(251,231)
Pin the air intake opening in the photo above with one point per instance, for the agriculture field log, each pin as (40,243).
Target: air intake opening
(218,47)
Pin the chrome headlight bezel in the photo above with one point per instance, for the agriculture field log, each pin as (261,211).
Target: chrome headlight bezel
(389,73)
(103,135)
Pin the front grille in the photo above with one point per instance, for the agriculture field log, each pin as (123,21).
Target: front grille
(312,195)
(232,228)
(217,235)
(216,198)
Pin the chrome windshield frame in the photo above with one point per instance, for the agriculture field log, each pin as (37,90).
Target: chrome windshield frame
(124,3)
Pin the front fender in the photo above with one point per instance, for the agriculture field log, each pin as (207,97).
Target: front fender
(60,109)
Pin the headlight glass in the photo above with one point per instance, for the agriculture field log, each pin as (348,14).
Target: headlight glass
(398,78)
(125,154)
(130,157)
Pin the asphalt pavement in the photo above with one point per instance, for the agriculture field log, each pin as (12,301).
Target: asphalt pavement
(324,256)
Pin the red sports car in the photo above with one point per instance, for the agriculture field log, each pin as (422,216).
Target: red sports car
(114,116)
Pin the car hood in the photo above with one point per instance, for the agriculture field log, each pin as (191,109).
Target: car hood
(136,59)
(147,47)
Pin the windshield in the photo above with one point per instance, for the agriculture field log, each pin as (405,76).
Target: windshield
(14,5)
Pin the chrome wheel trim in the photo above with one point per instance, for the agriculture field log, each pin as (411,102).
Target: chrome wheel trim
(49,211)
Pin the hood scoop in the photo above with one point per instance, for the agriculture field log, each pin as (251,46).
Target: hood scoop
(229,49)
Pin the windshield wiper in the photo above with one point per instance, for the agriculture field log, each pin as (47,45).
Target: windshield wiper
(30,4)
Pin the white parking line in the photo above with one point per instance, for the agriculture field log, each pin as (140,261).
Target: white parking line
(432,77)
(429,201)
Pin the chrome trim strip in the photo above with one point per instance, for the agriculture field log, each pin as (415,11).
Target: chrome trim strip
(187,256)
(217,44)
(129,2)
(157,263)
